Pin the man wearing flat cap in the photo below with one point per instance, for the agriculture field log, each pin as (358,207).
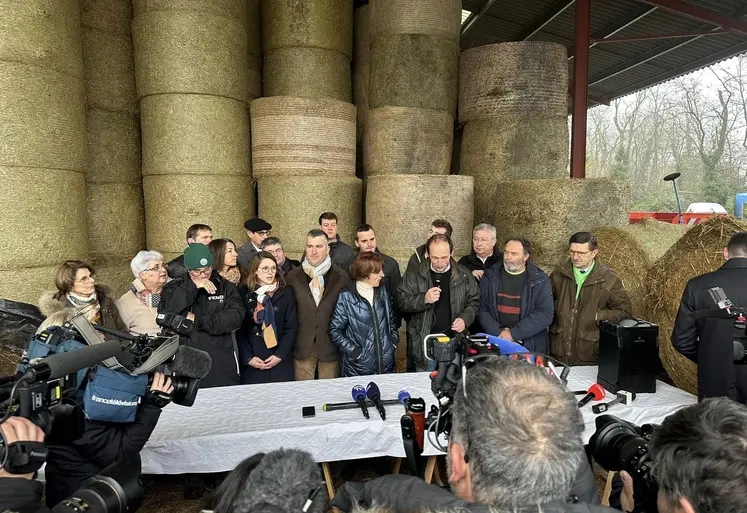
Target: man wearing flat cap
(258,230)
(215,306)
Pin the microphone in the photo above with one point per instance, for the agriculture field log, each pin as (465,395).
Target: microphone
(115,333)
(63,364)
(595,392)
(191,362)
(359,396)
(403,395)
(285,480)
(372,390)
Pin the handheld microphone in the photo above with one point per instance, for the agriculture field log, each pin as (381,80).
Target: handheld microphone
(359,396)
(115,333)
(596,392)
(401,398)
(372,390)
(191,362)
(623,397)
(62,364)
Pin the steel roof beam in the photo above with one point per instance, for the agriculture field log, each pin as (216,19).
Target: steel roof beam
(696,13)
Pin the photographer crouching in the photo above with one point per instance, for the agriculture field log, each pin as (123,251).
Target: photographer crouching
(515,445)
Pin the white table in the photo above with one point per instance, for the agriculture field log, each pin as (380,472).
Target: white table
(226,425)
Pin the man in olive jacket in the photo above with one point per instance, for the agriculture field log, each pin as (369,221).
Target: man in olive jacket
(586,292)
(441,296)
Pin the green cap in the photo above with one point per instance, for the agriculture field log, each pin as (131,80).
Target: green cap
(197,256)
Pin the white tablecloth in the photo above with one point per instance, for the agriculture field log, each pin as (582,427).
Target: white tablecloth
(226,425)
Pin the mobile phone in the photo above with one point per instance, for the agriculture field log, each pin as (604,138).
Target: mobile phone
(308,411)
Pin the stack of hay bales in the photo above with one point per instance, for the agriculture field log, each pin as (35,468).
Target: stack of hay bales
(193,82)
(412,97)
(43,148)
(632,251)
(409,127)
(699,251)
(547,212)
(304,130)
(513,104)
(308,45)
(116,219)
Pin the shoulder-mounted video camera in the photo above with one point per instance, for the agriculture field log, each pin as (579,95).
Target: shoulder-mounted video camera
(727,310)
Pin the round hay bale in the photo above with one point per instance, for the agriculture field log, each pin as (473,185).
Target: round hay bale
(361,77)
(174,202)
(110,71)
(632,250)
(113,147)
(414,71)
(254,28)
(441,18)
(116,219)
(293,136)
(114,274)
(44,212)
(190,52)
(361,35)
(43,33)
(235,9)
(697,252)
(293,204)
(43,118)
(403,140)
(194,134)
(548,212)
(107,16)
(26,284)
(307,72)
(326,24)
(418,199)
(499,150)
(522,78)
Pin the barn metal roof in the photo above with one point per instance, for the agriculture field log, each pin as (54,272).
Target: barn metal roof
(620,68)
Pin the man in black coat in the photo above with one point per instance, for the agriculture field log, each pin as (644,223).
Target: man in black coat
(516,299)
(258,230)
(200,233)
(215,306)
(710,342)
(104,443)
(421,252)
(339,252)
(484,252)
(274,246)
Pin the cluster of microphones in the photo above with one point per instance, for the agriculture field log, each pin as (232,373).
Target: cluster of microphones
(365,398)
(596,393)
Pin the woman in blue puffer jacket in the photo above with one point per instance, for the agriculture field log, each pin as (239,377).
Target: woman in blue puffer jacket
(362,326)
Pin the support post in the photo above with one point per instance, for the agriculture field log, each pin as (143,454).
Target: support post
(580,88)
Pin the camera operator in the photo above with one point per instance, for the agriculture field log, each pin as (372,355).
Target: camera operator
(104,443)
(709,342)
(699,457)
(20,492)
(515,445)
(214,304)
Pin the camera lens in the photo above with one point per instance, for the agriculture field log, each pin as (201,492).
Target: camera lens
(617,445)
(116,490)
(185,390)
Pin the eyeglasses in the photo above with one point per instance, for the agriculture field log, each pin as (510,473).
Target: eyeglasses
(268,269)
(264,233)
(201,272)
(156,268)
(87,279)
(579,253)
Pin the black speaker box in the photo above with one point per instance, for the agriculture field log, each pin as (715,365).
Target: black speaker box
(628,356)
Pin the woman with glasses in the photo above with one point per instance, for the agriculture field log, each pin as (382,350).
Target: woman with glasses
(269,331)
(77,293)
(363,326)
(226,259)
(139,305)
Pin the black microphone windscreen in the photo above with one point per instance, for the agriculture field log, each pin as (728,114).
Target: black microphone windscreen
(62,364)
(284,479)
(191,362)
(372,390)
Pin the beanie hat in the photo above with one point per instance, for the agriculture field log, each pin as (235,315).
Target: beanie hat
(197,256)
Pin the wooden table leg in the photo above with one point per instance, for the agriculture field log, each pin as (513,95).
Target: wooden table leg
(328,480)
(397,465)
(430,467)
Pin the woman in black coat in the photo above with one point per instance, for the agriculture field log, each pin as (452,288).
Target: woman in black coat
(363,327)
(269,331)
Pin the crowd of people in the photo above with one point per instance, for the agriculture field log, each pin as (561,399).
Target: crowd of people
(263,317)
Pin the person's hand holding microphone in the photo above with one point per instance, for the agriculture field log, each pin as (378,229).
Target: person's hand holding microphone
(432,295)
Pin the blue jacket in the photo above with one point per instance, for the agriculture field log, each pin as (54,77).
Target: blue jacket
(536,308)
(365,337)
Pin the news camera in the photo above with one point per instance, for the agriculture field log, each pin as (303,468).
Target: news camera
(619,445)
(739,314)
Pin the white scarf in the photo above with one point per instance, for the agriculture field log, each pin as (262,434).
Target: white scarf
(263,290)
(315,273)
